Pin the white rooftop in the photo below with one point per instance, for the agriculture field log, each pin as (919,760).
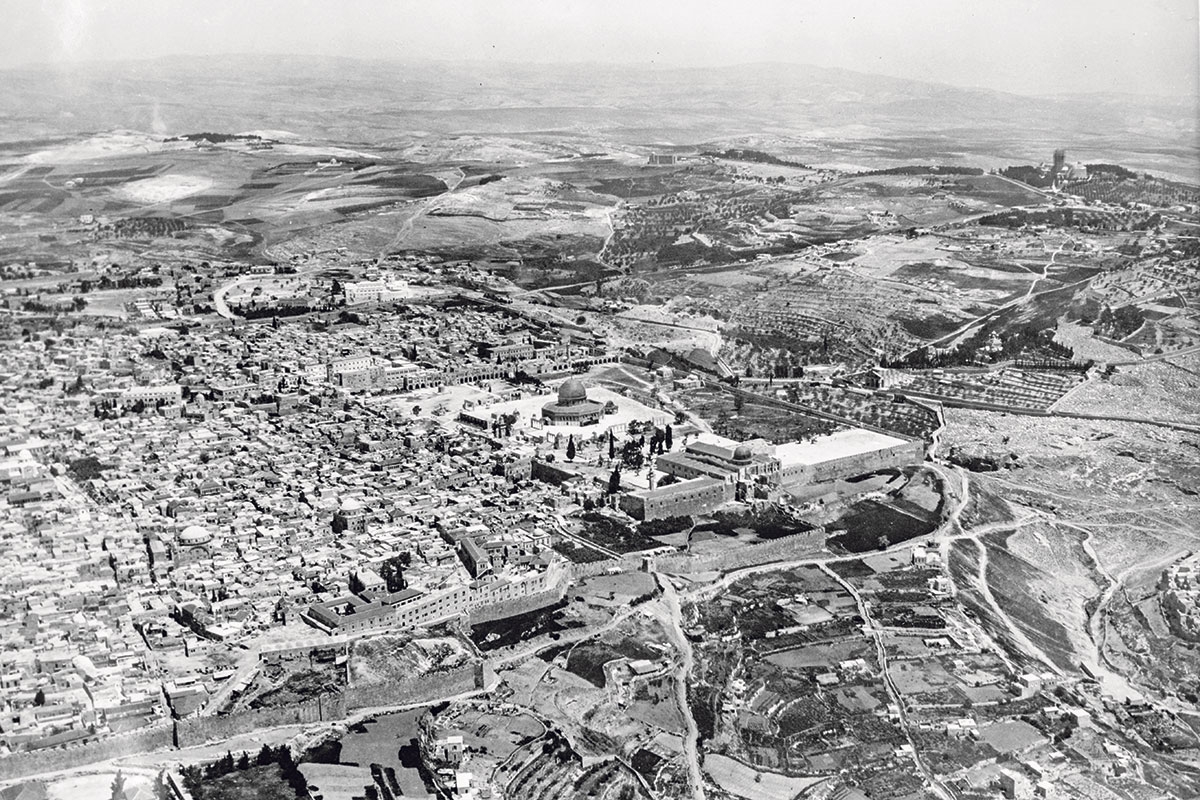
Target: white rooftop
(840,444)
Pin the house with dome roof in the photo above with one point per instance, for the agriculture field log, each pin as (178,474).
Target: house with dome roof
(350,516)
(572,406)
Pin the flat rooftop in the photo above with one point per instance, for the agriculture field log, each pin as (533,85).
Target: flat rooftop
(679,487)
(839,444)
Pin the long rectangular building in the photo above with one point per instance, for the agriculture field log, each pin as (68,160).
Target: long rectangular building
(844,454)
(412,608)
(695,496)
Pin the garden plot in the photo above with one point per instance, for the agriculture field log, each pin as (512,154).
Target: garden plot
(738,779)
(1035,389)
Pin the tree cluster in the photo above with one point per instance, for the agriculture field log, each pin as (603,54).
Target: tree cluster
(1120,323)
(1026,343)
(926,169)
(392,571)
(754,157)
(195,777)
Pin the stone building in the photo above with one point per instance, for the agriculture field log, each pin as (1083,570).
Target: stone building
(572,406)
(695,496)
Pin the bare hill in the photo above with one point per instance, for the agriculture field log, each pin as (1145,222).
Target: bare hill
(390,101)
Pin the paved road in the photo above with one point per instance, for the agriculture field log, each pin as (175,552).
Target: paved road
(219,296)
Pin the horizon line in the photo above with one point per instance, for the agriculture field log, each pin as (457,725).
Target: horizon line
(68,66)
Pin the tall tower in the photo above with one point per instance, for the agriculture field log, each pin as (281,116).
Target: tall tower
(1060,160)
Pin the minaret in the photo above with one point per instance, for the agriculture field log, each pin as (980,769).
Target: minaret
(1060,162)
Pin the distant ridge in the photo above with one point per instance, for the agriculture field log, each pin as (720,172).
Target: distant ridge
(381,101)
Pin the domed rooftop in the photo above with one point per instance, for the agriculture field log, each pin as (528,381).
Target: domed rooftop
(194,536)
(571,391)
(351,505)
(742,453)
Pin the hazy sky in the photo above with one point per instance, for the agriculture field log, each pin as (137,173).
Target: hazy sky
(1026,46)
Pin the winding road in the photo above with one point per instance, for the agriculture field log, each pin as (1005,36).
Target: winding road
(876,633)
(691,742)
(957,334)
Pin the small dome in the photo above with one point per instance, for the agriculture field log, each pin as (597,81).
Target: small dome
(572,391)
(193,536)
(742,453)
(351,506)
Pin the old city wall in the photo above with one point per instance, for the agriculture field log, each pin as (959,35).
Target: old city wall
(518,605)
(549,473)
(198,730)
(862,463)
(955,402)
(419,689)
(784,549)
(592,568)
(143,740)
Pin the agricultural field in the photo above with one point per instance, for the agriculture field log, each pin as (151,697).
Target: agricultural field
(554,772)
(1019,388)
(730,416)
(797,693)
(1119,186)
(217,199)
(864,408)
(717,210)
(740,780)
(830,316)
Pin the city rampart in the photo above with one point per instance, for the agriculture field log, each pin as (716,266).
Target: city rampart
(783,549)
(956,402)
(627,563)
(519,605)
(143,740)
(198,730)
(419,689)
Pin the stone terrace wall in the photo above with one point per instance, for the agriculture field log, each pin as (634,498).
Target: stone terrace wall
(143,740)
(198,730)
